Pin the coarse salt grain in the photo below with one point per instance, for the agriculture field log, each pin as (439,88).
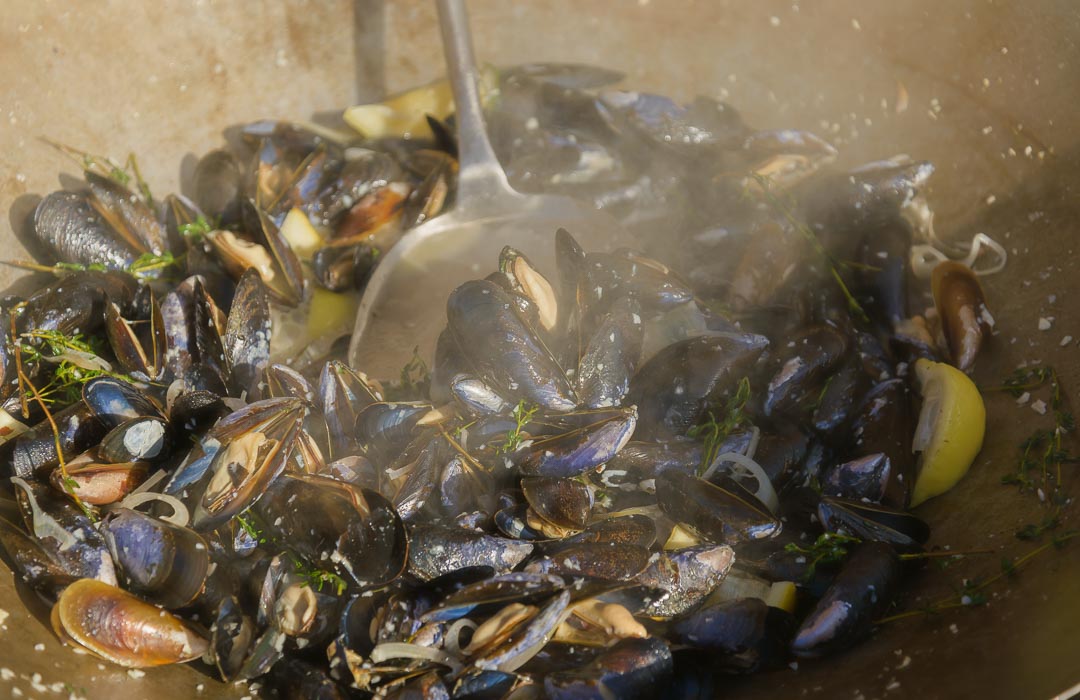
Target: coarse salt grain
(1039,407)
(1066,340)
(136,673)
(1023,398)
(1044,324)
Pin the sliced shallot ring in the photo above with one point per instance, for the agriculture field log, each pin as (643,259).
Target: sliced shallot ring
(404,650)
(925,257)
(180,515)
(765,491)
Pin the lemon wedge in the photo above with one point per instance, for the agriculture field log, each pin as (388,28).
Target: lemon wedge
(404,115)
(952,423)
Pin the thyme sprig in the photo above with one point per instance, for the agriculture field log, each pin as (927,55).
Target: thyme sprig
(316,578)
(196,230)
(787,210)
(1043,452)
(28,392)
(523,413)
(828,548)
(107,167)
(720,423)
(68,378)
(971,592)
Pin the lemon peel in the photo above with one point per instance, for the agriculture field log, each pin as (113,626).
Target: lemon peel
(952,424)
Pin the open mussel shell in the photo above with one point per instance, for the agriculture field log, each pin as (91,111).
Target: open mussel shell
(266,251)
(137,352)
(725,513)
(356,530)
(255,445)
(194,326)
(565,503)
(862,591)
(872,522)
(128,215)
(517,587)
(527,281)
(344,393)
(230,638)
(427,200)
(98,481)
(283,381)
(513,522)
(120,628)
(525,639)
(165,564)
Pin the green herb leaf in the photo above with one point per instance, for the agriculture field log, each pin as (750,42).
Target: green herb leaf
(829,548)
(719,425)
(317,578)
(523,413)
(196,230)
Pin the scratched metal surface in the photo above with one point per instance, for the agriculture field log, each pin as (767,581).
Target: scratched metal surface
(985,83)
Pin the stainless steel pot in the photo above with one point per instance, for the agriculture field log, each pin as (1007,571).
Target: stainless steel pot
(987,91)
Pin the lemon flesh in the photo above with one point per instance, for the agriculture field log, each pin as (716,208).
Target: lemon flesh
(951,427)
(404,115)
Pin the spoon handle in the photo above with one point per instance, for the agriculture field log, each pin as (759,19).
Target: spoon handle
(480,176)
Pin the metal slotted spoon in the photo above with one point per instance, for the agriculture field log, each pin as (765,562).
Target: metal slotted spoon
(403,304)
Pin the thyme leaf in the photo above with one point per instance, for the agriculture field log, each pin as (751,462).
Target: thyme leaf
(719,424)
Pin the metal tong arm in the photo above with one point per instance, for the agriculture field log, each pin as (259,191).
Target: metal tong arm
(480,177)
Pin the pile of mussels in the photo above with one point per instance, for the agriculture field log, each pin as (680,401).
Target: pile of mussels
(595,491)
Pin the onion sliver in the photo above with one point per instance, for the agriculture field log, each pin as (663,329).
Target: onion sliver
(404,650)
(453,635)
(765,491)
(180,515)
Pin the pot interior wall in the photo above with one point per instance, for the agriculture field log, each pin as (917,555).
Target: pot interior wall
(987,92)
